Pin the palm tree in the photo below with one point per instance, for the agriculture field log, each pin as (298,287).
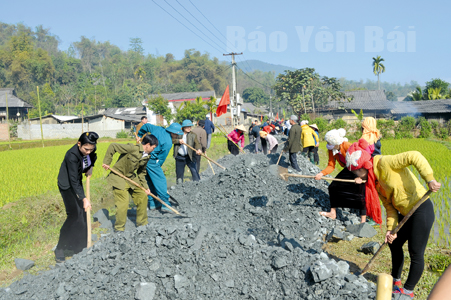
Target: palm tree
(211,103)
(417,95)
(378,68)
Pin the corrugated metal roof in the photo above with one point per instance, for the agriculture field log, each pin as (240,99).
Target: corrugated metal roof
(64,118)
(422,107)
(141,111)
(13,101)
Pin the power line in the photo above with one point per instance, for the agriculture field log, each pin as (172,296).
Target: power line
(192,24)
(221,41)
(186,26)
(254,79)
(227,41)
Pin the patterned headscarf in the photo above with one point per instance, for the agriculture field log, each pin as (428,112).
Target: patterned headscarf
(358,157)
(370,132)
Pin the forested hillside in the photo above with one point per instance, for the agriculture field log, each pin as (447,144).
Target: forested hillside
(99,74)
(93,74)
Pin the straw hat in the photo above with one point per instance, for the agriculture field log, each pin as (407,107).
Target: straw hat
(314,126)
(241,127)
(263,134)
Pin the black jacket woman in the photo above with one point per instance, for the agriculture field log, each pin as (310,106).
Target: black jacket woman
(78,160)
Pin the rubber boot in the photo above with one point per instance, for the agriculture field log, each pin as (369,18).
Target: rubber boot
(312,157)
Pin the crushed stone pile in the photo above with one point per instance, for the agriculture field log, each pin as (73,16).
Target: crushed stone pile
(246,234)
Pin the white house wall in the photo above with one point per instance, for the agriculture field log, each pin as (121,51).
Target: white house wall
(103,126)
(106,127)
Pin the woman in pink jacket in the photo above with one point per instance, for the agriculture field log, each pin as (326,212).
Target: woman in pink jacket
(237,135)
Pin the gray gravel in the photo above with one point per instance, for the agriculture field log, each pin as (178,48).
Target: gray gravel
(249,235)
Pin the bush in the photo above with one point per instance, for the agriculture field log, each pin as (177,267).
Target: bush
(13,128)
(425,128)
(321,123)
(338,123)
(121,135)
(305,117)
(443,134)
(405,126)
(386,127)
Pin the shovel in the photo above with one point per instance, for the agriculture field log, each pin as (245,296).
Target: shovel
(394,231)
(133,182)
(88,214)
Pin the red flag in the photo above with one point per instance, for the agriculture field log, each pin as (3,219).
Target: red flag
(261,118)
(225,100)
(277,116)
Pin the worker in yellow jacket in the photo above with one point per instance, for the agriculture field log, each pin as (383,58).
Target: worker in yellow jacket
(308,137)
(389,178)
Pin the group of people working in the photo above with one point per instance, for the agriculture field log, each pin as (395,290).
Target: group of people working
(386,177)
(141,162)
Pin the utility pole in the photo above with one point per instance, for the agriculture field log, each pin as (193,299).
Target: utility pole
(270,106)
(234,100)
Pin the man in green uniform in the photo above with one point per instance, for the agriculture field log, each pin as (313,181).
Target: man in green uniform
(133,158)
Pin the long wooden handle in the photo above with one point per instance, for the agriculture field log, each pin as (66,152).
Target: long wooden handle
(204,156)
(323,178)
(88,213)
(128,179)
(394,231)
(280,156)
(210,164)
(225,133)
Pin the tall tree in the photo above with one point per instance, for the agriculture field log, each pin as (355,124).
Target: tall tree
(305,89)
(378,67)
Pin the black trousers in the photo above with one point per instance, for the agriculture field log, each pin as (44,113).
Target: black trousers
(308,149)
(233,148)
(347,194)
(73,233)
(315,155)
(294,162)
(264,146)
(197,161)
(416,230)
(180,163)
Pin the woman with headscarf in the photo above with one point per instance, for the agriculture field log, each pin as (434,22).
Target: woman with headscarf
(372,135)
(236,136)
(389,179)
(78,160)
(342,194)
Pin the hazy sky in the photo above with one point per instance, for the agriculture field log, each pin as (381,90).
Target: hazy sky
(337,38)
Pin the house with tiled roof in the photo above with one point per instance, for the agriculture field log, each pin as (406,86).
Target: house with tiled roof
(372,102)
(430,109)
(17,108)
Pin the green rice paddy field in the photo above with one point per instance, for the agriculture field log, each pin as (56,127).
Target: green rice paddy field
(31,172)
